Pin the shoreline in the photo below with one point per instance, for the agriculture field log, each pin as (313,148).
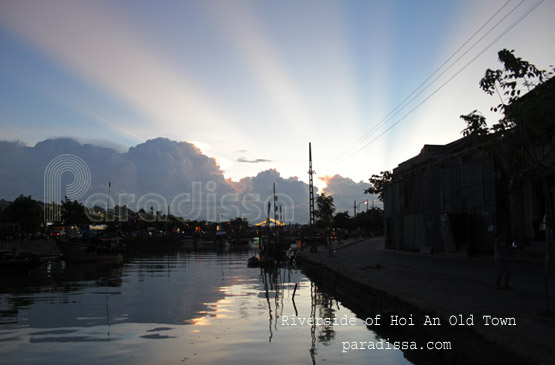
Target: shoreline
(368,279)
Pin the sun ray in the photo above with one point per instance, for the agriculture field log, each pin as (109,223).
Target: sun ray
(115,59)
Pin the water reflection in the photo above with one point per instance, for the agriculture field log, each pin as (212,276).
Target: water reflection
(187,308)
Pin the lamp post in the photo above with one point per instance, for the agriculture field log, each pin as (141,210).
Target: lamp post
(364,202)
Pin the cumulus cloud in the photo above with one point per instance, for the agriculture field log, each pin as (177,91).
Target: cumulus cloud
(158,167)
(170,167)
(346,191)
(292,194)
(170,175)
(159,172)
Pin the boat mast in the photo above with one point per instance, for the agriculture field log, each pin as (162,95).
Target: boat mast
(108,203)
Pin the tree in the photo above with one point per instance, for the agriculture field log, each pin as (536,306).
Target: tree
(73,212)
(3,215)
(371,221)
(25,211)
(342,220)
(524,137)
(239,224)
(378,182)
(326,208)
(477,127)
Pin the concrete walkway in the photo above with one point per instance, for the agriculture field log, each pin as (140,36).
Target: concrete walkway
(444,286)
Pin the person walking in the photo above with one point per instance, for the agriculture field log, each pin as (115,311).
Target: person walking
(500,257)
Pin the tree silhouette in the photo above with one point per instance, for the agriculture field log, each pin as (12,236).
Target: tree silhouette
(378,182)
(73,212)
(523,140)
(26,212)
(326,208)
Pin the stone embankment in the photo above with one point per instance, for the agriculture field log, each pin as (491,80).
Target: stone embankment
(483,323)
(35,247)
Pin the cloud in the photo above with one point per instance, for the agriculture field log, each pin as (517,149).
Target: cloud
(346,192)
(159,166)
(174,175)
(258,160)
(159,172)
(169,167)
(169,174)
(292,194)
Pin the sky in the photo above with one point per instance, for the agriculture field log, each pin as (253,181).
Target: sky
(251,83)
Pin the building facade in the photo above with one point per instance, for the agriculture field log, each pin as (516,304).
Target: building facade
(444,199)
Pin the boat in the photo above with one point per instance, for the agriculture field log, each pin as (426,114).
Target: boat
(102,249)
(12,264)
(221,239)
(273,246)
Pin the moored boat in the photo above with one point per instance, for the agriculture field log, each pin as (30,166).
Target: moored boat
(108,249)
(11,264)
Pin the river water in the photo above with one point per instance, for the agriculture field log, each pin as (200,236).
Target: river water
(185,308)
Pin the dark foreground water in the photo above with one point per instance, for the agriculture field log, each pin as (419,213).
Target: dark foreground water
(188,308)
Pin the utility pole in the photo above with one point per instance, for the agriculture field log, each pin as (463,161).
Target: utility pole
(355,209)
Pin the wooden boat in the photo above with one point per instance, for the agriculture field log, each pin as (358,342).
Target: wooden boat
(253,261)
(10,264)
(221,240)
(107,249)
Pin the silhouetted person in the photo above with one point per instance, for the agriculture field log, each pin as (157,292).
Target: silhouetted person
(500,248)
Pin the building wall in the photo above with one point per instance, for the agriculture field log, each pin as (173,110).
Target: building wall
(451,197)
(445,201)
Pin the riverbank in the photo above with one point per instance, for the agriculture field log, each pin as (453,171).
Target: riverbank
(134,246)
(32,247)
(450,288)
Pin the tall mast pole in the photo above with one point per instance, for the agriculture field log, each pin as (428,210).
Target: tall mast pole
(310,186)
(108,202)
(275,208)
(275,224)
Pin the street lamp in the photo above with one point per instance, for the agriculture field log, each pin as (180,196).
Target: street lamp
(364,202)
(356,206)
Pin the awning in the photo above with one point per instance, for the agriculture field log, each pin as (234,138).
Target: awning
(271,222)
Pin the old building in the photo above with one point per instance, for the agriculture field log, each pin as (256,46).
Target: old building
(444,199)
(454,197)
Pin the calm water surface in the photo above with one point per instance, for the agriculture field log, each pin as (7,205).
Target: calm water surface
(189,308)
